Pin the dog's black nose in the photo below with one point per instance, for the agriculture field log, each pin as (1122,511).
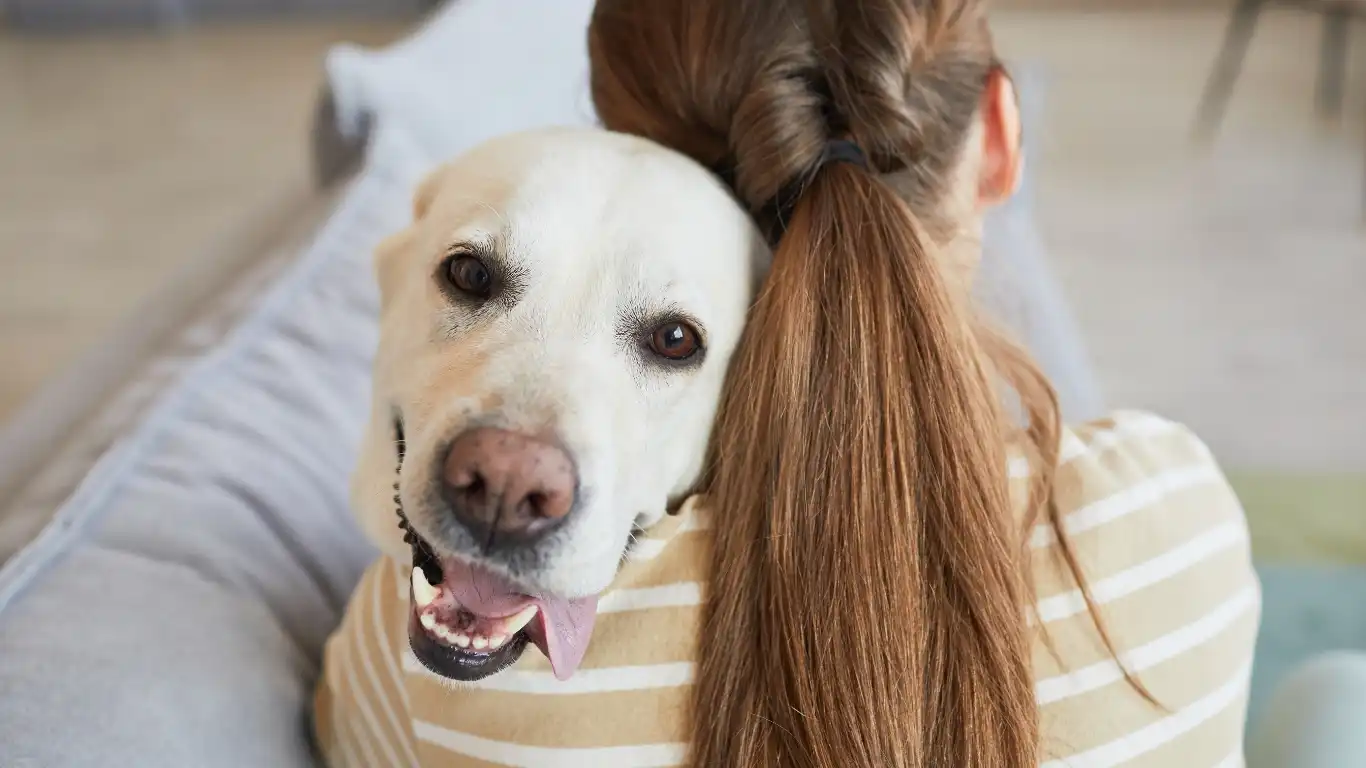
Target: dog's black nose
(507,487)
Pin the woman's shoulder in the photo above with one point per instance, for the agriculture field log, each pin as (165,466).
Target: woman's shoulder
(1133,431)
(1137,485)
(1162,540)
(1141,455)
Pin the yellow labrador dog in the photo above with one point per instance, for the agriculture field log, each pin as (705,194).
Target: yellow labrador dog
(555,329)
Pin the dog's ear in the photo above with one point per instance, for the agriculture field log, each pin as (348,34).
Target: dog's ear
(389,261)
(426,192)
(388,254)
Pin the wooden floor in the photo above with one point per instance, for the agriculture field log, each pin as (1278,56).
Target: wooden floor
(1225,288)
(122,156)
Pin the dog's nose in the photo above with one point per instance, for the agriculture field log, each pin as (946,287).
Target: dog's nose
(507,487)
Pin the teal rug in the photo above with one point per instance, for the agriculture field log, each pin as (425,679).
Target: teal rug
(1306,610)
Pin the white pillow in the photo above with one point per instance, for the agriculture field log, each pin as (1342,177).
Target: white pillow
(476,69)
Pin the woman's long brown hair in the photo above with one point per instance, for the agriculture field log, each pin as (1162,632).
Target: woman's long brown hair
(870,577)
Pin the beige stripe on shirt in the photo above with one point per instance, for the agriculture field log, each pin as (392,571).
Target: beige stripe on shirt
(1159,534)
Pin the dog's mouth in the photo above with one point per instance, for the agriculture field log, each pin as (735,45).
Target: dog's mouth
(471,622)
(468,623)
(457,644)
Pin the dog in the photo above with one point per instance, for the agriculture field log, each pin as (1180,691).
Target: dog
(555,329)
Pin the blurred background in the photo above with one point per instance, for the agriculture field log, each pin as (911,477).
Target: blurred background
(1200,190)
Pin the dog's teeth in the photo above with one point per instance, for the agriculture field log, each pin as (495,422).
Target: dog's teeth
(497,641)
(444,633)
(515,624)
(429,621)
(424,594)
(480,642)
(462,640)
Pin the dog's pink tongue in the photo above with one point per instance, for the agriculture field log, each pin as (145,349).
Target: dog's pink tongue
(564,628)
(563,631)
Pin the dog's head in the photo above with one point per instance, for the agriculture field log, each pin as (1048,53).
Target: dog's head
(555,329)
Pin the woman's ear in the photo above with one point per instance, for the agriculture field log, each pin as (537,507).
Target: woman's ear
(1002,159)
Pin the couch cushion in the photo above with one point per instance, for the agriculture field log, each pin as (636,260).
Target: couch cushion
(173,612)
(476,69)
(47,447)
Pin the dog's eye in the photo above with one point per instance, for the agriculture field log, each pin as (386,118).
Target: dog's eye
(469,275)
(674,341)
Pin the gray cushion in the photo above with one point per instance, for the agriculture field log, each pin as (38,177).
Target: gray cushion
(173,612)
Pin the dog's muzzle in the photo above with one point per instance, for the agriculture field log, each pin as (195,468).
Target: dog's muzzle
(468,622)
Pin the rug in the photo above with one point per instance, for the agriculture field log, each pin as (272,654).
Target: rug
(1309,543)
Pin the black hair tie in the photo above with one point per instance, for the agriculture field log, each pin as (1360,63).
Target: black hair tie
(775,213)
(843,151)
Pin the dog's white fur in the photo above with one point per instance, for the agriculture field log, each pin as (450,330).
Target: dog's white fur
(600,231)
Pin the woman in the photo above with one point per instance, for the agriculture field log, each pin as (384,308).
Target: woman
(880,597)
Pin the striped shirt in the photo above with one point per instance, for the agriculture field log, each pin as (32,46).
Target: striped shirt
(1158,531)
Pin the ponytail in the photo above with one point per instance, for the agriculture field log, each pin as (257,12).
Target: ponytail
(870,580)
(866,595)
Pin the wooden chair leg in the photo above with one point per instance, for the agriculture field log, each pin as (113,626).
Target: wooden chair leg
(1219,87)
(1332,62)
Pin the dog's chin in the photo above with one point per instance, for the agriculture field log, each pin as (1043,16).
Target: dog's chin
(446,659)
